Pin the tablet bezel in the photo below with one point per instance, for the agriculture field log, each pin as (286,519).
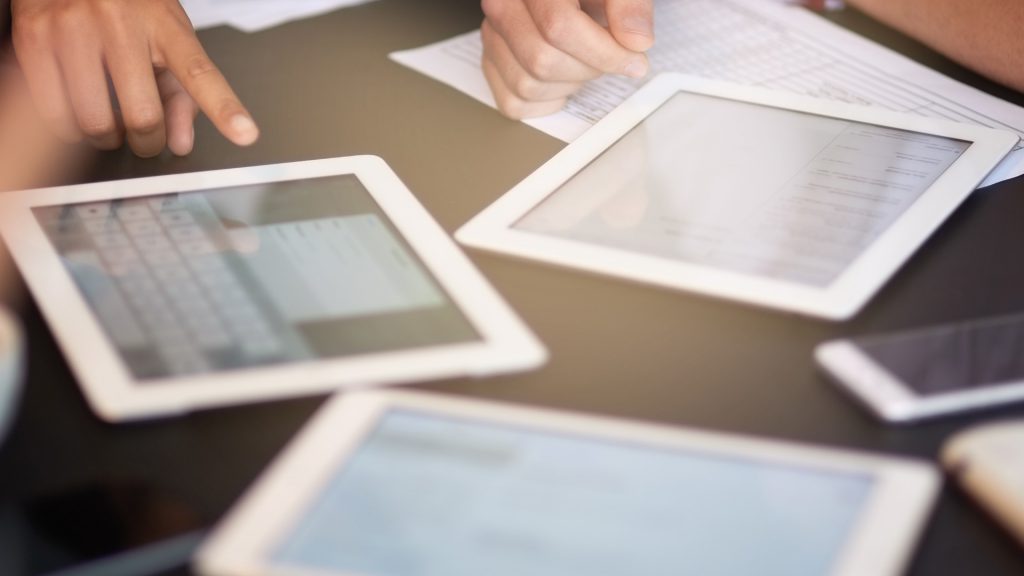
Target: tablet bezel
(493,229)
(882,542)
(506,343)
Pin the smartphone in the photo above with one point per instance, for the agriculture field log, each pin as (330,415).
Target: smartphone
(988,462)
(934,371)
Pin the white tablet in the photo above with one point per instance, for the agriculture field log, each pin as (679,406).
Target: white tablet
(741,193)
(393,484)
(172,293)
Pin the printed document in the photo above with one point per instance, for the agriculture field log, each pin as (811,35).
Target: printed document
(753,42)
(256,15)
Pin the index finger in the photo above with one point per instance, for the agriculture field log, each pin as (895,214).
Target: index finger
(631,23)
(197,73)
(567,27)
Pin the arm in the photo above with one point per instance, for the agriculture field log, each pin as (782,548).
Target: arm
(539,52)
(985,35)
(72,50)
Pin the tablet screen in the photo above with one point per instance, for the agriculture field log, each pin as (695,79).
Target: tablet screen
(231,278)
(433,495)
(747,188)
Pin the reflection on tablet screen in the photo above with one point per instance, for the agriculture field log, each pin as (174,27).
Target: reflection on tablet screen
(245,276)
(747,188)
(433,496)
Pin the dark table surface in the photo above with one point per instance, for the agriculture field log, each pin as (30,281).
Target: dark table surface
(324,87)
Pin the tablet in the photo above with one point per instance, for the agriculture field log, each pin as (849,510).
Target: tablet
(402,483)
(741,193)
(172,293)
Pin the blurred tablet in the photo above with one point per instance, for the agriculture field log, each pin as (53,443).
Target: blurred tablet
(741,193)
(398,483)
(178,292)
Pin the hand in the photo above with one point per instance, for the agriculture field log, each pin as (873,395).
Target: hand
(30,156)
(155,64)
(539,52)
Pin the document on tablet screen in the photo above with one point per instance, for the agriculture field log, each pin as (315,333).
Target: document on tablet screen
(338,267)
(746,188)
(215,280)
(435,495)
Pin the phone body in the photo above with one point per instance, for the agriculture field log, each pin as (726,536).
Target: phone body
(988,462)
(12,363)
(108,527)
(939,370)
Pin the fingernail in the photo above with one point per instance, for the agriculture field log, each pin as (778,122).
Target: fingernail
(183,143)
(245,130)
(641,26)
(636,68)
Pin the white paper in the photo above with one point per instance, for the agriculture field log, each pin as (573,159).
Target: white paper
(753,42)
(256,15)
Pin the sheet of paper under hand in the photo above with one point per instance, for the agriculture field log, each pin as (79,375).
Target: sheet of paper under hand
(754,42)
(256,15)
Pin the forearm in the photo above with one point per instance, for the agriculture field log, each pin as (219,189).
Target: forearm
(985,35)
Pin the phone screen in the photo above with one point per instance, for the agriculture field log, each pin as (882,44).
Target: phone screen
(955,357)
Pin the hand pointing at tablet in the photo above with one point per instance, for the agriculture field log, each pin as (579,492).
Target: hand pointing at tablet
(110,70)
(539,52)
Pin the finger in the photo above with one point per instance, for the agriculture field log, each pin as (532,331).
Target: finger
(565,26)
(45,82)
(514,77)
(82,65)
(180,113)
(511,105)
(510,20)
(203,81)
(631,23)
(131,71)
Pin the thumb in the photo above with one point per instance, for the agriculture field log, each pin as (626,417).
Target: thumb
(631,23)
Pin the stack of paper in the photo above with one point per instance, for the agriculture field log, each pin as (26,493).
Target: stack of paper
(256,15)
(759,43)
